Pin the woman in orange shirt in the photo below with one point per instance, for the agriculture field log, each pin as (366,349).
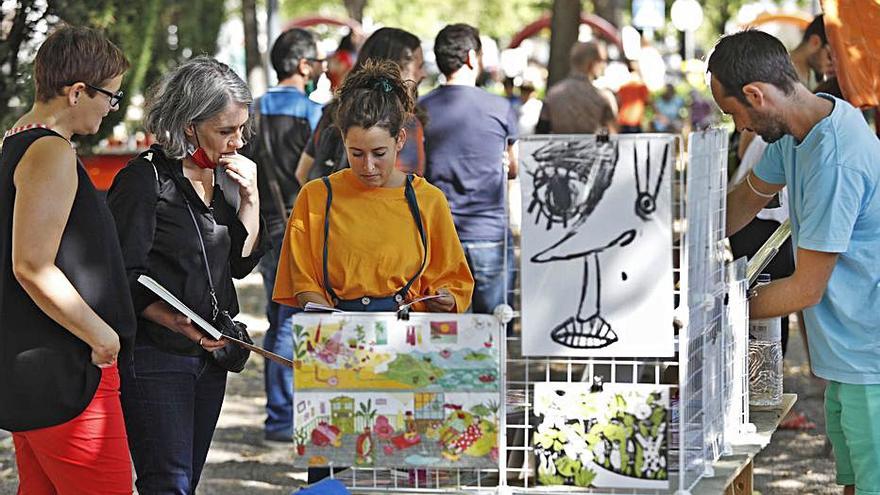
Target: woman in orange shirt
(370,238)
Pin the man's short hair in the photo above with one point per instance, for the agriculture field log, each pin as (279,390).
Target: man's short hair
(751,56)
(817,27)
(292,46)
(452,45)
(75,54)
(583,53)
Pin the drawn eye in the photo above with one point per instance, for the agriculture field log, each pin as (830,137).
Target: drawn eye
(557,190)
(569,181)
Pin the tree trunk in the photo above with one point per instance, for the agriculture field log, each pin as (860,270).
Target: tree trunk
(252,60)
(722,19)
(144,59)
(355,9)
(608,10)
(563,35)
(11,81)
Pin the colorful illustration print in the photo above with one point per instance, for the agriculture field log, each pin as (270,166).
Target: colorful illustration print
(444,332)
(615,438)
(356,352)
(375,391)
(397,428)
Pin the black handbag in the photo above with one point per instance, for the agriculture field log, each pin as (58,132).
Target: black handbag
(231,357)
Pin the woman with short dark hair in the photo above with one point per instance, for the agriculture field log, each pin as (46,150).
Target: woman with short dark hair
(187,211)
(64,312)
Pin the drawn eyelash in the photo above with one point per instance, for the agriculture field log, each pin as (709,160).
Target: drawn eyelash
(570,180)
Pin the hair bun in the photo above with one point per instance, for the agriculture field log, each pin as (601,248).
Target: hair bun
(375,94)
(383,84)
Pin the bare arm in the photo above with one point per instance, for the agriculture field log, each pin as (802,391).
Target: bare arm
(304,167)
(745,139)
(46,182)
(512,160)
(804,288)
(743,203)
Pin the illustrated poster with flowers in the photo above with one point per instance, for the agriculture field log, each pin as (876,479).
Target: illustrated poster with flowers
(614,438)
(372,390)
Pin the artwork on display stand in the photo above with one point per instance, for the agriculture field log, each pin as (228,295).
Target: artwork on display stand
(597,246)
(612,438)
(372,390)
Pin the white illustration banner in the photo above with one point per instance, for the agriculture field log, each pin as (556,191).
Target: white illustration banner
(597,245)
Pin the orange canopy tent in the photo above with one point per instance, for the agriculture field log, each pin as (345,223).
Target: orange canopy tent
(853,29)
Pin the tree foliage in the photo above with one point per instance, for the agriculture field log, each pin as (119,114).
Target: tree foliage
(155,35)
(497,18)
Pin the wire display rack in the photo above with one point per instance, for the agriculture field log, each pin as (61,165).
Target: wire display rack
(702,374)
(707,379)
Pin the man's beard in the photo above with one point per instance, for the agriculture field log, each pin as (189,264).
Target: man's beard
(771,128)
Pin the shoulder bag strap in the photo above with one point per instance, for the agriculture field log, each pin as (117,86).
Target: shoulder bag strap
(215,307)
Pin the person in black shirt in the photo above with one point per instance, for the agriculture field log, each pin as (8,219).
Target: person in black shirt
(64,315)
(173,392)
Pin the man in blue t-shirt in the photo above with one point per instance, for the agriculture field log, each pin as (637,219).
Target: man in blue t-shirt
(470,136)
(286,119)
(822,149)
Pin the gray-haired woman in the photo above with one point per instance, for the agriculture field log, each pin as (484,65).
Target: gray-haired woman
(187,205)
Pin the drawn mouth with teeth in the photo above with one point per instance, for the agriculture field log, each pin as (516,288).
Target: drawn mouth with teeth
(592,333)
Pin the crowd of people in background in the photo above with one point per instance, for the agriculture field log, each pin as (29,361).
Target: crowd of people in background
(312,194)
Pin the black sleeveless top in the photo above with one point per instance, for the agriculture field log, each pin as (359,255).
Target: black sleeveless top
(46,374)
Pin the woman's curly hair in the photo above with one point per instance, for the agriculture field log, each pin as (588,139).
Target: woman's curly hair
(374,95)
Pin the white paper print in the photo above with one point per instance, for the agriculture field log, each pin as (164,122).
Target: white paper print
(597,246)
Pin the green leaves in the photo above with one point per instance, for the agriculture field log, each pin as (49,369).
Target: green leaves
(584,477)
(550,439)
(155,35)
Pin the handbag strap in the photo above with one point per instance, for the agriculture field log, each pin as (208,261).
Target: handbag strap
(215,306)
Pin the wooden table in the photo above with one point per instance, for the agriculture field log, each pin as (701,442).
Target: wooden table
(734,472)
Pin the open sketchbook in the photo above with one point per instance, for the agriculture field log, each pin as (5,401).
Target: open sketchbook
(203,324)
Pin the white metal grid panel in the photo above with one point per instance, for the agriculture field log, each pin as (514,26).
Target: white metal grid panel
(736,361)
(523,372)
(702,373)
(698,210)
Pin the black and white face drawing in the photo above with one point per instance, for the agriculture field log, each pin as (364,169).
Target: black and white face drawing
(590,201)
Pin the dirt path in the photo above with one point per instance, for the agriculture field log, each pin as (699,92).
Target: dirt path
(798,462)
(240,462)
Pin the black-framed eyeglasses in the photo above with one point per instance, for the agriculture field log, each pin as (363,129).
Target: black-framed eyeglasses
(314,60)
(115,98)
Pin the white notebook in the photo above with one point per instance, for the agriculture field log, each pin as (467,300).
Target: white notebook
(204,324)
